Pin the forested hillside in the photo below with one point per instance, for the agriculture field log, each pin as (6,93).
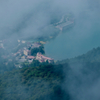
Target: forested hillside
(33,83)
(52,81)
(91,56)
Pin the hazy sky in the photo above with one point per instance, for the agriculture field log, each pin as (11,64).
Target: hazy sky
(24,17)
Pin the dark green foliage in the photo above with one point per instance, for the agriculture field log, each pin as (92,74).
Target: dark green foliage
(91,56)
(43,71)
(34,51)
(32,83)
(6,66)
(42,81)
(34,63)
(59,94)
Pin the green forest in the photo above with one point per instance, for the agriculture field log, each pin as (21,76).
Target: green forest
(43,81)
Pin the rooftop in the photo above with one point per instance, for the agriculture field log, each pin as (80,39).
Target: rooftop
(30,57)
(44,57)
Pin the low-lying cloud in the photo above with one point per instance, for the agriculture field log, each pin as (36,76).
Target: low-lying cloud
(24,18)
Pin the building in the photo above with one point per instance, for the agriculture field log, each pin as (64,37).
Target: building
(30,57)
(27,52)
(42,42)
(43,58)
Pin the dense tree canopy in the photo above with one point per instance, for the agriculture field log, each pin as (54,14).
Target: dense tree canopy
(34,51)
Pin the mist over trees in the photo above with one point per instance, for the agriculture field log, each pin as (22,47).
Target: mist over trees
(77,78)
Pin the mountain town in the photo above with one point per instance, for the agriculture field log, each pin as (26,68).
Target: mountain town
(27,53)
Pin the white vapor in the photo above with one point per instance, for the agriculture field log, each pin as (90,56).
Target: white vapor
(24,18)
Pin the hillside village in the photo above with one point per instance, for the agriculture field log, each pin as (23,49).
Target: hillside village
(24,53)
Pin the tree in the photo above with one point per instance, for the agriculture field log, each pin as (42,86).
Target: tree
(34,51)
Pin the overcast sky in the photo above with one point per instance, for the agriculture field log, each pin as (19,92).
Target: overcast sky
(24,18)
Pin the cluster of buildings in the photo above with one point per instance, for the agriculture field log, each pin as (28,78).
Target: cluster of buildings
(25,54)
(43,58)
